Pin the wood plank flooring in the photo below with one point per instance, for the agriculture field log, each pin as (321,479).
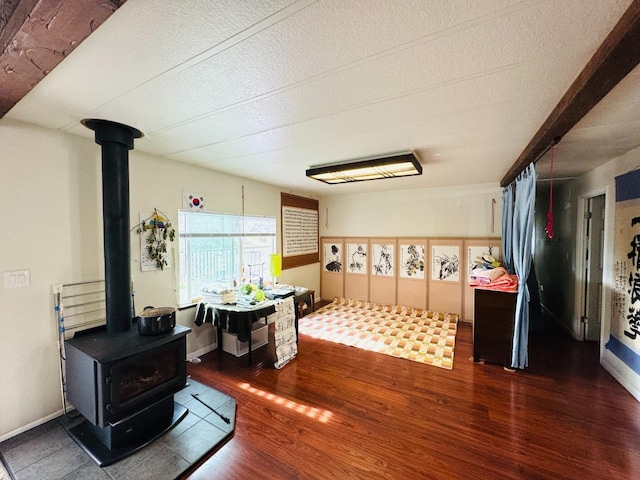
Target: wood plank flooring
(336,412)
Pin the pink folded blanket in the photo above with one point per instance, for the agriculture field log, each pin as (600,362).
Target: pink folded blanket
(504,283)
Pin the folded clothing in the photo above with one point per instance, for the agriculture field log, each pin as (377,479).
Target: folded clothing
(218,295)
(487,276)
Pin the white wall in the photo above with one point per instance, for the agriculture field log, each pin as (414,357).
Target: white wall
(598,181)
(435,212)
(51,214)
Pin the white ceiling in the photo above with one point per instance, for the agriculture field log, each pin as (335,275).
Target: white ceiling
(265,89)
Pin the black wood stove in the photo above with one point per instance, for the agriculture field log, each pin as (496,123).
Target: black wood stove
(122,382)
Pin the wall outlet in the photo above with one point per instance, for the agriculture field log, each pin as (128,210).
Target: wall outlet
(16,279)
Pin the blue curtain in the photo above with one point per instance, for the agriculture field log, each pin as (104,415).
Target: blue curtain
(522,253)
(507,227)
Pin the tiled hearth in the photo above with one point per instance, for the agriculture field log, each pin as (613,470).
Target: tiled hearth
(47,452)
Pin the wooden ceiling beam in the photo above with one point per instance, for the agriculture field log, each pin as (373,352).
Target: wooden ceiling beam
(36,35)
(618,55)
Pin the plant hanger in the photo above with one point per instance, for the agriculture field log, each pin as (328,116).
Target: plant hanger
(158,229)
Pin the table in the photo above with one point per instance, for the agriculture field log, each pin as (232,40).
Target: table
(305,296)
(239,320)
(302,296)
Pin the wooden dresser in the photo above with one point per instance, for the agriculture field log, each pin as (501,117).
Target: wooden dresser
(494,314)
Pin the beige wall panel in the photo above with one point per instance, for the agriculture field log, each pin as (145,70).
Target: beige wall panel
(383,291)
(356,268)
(445,298)
(412,272)
(412,293)
(331,268)
(472,247)
(356,288)
(383,270)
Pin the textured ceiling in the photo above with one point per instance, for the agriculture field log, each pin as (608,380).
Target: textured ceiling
(266,88)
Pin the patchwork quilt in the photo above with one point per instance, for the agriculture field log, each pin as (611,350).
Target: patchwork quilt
(404,332)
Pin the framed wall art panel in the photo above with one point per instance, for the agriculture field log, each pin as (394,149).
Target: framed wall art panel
(412,272)
(356,274)
(445,278)
(332,268)
(383,271)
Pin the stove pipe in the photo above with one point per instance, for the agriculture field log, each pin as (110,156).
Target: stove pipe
(116,140)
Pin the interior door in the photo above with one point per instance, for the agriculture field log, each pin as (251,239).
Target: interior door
(593,263)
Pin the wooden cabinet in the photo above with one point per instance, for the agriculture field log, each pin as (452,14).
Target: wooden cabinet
(494,315)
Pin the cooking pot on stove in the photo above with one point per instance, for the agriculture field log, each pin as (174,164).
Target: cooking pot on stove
(156,321)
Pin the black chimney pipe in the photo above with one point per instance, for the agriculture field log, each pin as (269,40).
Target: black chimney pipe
(116,140)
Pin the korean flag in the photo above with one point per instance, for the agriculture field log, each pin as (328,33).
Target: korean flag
(193,202)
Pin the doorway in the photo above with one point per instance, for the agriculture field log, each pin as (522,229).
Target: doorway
(593,258)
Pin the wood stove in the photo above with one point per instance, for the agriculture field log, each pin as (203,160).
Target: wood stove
(123,386)
(122,382)
(119,374)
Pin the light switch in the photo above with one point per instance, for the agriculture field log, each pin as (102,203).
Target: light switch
(16,279)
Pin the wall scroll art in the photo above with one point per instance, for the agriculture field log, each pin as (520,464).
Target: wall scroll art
(300,241)
(356,258)
(445,264)
(300,231)
(626,297)
(624,340)
(412,261)
(382,258)
(332,257)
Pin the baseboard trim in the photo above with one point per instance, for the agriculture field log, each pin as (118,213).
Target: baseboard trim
(611,364)
(202,351)
(31,425)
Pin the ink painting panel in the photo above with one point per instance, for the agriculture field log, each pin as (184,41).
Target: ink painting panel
(445,264)
(412,261)
(332,257)
(357,258)
(382,260)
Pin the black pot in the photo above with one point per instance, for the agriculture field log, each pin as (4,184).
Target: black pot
(156,321)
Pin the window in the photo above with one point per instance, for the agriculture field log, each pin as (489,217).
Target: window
(217,248)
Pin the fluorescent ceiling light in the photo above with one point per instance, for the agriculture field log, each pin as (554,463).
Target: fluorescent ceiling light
(402,165)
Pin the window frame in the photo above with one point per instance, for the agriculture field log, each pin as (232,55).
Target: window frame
(239,231)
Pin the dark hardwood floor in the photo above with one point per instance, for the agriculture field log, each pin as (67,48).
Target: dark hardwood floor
(336,412)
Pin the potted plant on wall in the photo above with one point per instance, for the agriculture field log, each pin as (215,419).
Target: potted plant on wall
(156,230)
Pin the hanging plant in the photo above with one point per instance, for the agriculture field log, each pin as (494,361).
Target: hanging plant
(157,229)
